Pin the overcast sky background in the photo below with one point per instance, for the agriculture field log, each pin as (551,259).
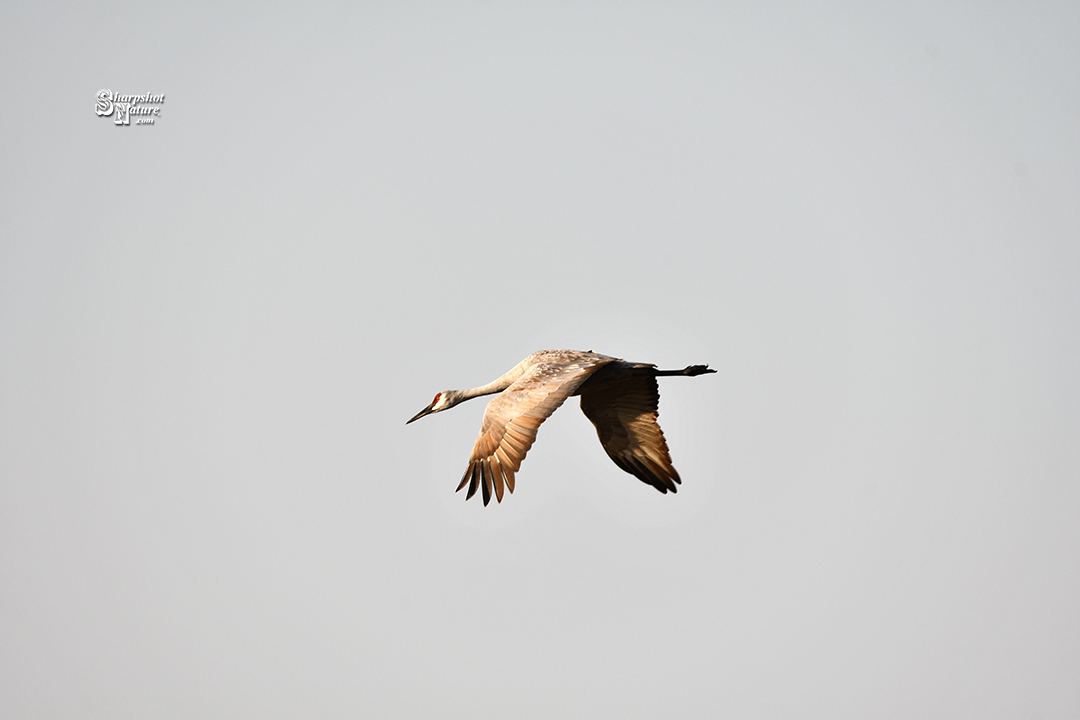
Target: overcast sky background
(212,330)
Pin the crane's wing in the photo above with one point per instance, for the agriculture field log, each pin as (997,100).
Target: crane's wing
(625,418)
(512,418)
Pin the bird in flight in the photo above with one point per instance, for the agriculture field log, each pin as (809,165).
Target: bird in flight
(619,397)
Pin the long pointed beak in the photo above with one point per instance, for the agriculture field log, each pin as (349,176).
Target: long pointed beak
(422,413)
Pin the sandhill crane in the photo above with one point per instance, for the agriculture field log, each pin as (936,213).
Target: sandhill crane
(619,397)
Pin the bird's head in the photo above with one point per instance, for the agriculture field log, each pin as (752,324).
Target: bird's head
(443,401)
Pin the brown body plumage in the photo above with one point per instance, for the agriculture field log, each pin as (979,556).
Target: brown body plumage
(619,398)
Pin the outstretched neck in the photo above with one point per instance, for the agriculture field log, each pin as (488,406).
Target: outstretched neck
(492,387)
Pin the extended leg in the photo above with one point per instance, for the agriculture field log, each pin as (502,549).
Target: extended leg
(690,370)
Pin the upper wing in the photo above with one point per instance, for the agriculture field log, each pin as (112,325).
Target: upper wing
(512,418)
(625,418)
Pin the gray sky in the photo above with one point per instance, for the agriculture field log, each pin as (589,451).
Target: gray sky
(866,218)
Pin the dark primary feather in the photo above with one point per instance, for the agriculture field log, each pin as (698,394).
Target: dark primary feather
(624,414)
